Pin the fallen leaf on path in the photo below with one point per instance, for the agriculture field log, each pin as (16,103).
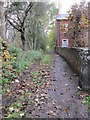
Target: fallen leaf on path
(49,112)
(58,107)
(66,85)
(11,109)
(21,114)
(54,89)
(72,96)
(61,93)
(64,73)
(62,101)
(67,90)
(65,109)
(53,102)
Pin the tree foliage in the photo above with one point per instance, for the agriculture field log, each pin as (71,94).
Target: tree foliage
(51,39)
(78,23)
(36,26)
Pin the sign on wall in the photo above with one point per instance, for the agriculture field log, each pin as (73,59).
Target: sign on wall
(64,42)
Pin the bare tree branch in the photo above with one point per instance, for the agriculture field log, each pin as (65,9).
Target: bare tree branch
(19,18)
(14,21)
(19,29)
(27,10)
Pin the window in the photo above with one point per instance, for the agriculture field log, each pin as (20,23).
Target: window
(66,25)
(64,42)
(65,28)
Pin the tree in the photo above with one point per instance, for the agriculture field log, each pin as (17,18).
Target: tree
(36,25)
(74,17)
(78,24)
(16,15)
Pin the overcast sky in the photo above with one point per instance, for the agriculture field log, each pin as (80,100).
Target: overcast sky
(66,4)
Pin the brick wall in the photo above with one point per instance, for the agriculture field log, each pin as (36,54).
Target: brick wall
(57,35)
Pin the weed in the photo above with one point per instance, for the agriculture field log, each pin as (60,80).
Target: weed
(15,105)
(35,79)
(26,94)
(88,101)
(31,101)
(13,115)
(36,73)
(39,84)
(5,81)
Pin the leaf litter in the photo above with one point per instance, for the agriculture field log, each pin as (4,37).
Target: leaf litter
(27,94)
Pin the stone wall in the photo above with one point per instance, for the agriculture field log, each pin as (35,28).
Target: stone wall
(79,60)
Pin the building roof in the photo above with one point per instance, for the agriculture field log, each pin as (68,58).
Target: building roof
(62,17)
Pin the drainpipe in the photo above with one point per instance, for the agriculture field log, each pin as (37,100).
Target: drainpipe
(59,33)
(56,27)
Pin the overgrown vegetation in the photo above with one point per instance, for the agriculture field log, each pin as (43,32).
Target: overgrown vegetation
(85,99)
(15,61)
(21,60)
(88,102)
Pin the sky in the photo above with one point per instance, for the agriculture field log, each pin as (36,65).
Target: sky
(65,4)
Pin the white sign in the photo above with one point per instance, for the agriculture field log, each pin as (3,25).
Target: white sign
(64,42)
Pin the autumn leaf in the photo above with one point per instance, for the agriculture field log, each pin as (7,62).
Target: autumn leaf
(65,109)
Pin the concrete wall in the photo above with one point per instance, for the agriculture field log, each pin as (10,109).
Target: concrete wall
(79,60)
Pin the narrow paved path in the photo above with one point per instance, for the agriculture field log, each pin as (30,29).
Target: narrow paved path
(65,91)
(61,99)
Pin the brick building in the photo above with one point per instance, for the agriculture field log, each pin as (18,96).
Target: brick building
(61,30)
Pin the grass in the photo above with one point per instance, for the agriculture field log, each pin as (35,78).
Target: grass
(46,59)
(31,101)
(36,73)
(26,94)
(35,79)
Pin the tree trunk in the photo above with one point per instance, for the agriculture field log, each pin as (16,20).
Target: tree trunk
(2,21)
(23,40)
(33,41)
(35,36)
